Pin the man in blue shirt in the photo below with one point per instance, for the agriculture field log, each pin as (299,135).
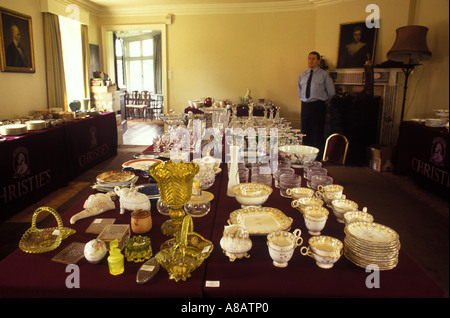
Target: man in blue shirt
(316,89)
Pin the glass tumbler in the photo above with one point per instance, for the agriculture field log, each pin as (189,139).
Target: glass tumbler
(262,178)
(315,172)
(243,174)
(278,173)
(317,180)
(314,164)
(288,181)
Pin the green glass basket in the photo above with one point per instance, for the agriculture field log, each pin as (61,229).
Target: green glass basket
(36,240)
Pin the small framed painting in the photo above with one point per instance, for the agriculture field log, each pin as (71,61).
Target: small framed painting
(16,42)
(356,45)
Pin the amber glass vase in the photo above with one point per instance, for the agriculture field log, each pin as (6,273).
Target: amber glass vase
(175,188)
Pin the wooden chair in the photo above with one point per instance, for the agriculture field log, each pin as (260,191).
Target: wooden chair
(156,106)
(336,147)
(133,103)
(146,100)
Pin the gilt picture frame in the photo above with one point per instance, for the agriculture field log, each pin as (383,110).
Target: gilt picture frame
(357,44)
(16,42)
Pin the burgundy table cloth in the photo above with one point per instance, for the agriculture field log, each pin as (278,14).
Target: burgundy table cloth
(31,166)
(423,153)
(257,277)
(90,142)
(36,275)
(38,163)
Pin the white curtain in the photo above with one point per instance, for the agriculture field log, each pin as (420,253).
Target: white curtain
(86,60)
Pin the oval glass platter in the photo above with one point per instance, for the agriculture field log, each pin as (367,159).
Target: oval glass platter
(261,220)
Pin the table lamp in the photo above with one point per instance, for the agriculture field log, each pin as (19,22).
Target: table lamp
(410,48)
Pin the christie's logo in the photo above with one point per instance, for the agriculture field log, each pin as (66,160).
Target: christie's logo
(93,137)
(23,180)
(21,162)
(95,151)
(438,151)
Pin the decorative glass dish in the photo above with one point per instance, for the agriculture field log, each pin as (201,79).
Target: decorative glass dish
(138,249)
(36,240)
(181,255)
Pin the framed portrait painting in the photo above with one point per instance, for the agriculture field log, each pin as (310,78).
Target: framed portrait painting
(356,45)
(16,42)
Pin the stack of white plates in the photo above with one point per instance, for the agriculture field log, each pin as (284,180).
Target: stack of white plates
(371,244)
(13,129)
(436,122)
(36,124)
(106,181)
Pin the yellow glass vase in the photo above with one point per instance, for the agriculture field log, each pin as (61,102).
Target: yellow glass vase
(175,188)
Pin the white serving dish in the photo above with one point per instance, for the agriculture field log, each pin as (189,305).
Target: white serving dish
(261,220)
(299,155)
(251,194)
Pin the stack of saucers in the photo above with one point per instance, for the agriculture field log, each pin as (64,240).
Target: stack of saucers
(369,243)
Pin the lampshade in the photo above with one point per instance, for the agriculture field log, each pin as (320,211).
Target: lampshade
(410,46)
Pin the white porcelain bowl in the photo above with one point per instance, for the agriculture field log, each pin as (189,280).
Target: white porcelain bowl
(299,155)
(251,194)
(340,207)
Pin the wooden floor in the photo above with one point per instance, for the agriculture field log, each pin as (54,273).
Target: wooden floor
(142,132)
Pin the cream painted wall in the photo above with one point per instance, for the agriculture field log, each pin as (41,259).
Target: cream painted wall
(22,93)
(430,83)
(220,56)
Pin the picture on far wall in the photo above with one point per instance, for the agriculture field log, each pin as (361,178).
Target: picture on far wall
(16,42)
(356,45)
(95,59)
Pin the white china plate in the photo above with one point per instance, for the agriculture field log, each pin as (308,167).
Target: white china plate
(261,220)
(140,164)
(372,232)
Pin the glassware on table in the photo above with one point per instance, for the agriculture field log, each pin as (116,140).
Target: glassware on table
(315,172)
(262,178)
(317,180)
(288,181)
(243,174)
(172,120)
(278,173)
(138,249)
(314,164)
(175,187)
(200,204)
(181,255)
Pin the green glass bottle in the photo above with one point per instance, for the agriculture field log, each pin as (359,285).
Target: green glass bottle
(115,258)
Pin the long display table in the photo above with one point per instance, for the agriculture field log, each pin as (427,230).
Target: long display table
(36,164)
(36,275)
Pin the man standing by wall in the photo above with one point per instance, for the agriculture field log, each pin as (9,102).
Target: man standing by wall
(315,89)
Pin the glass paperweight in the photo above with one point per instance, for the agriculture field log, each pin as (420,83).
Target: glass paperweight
(138,249)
